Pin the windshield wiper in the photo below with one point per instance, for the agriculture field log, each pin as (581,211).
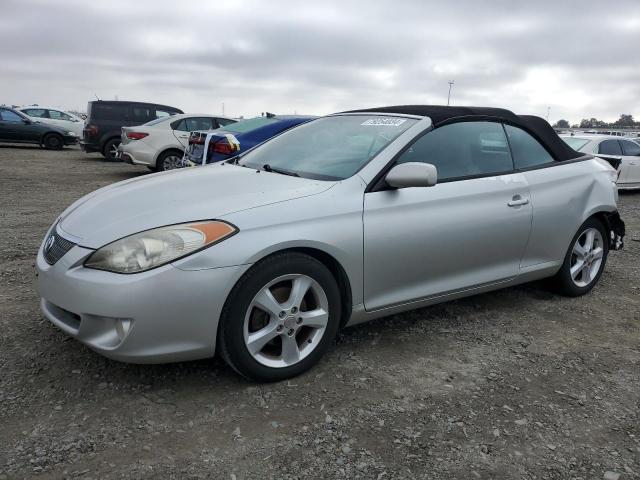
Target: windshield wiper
(268,168)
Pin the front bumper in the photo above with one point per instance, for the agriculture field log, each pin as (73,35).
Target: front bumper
(163,315)
(70,139)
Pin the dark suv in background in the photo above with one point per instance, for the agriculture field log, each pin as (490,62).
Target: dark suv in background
(105,119)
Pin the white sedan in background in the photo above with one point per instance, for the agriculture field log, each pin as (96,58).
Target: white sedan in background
(55,116)
(159,144)
(623,153)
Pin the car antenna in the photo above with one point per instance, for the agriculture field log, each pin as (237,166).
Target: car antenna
(95,95)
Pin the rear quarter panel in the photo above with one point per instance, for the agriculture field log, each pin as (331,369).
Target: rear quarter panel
(563,197)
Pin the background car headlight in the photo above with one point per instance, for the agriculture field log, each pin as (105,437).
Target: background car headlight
(72,134)
(153,248)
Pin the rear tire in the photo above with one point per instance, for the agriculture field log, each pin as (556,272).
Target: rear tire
(111,149)
(169,160)
(53,141)
(299,321)
(585,260)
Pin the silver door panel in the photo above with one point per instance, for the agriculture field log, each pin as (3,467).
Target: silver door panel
(421,242)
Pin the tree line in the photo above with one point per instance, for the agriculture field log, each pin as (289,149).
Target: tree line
(625,121)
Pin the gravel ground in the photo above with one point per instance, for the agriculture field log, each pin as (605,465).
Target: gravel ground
(519,383)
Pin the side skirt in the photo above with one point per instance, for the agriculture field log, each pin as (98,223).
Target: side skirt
(531,273)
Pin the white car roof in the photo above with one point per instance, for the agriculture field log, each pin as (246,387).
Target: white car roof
(596,137)
(45,107)
(207,115)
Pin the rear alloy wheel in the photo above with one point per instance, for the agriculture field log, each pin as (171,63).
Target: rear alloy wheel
(53,141)
(170,160)
(110,151)
(585,259)
(280,318)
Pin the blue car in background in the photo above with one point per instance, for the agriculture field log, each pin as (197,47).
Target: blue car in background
(227,142)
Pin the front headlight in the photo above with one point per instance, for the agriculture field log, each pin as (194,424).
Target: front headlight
(153,248)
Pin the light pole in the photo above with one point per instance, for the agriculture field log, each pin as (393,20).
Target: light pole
(548,112)
(451,82)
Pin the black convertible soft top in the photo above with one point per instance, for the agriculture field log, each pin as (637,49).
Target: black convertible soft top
(441,115)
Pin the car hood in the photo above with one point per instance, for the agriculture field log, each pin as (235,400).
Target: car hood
(172,197)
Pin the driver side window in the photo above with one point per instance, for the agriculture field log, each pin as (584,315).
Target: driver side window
(462,150)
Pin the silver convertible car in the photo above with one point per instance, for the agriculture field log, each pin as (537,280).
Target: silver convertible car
(344,219)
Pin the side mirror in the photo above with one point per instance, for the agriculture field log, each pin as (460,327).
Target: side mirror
(412,174)
(27,121)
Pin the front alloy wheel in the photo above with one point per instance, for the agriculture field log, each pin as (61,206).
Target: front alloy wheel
(280,318)
(286,320)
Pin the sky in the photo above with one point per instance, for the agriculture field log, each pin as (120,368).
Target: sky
(568,59)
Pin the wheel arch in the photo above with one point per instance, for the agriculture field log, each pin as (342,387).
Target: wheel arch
(614,226)
(106,140)
(163,150)
(335,267)
(50,132)
(340,275)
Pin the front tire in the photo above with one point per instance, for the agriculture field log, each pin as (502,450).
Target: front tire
(53,141)
(585,260)
(280,318)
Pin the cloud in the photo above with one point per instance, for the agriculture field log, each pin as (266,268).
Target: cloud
(576,57)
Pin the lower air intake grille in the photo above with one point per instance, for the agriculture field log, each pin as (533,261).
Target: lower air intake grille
(55,247)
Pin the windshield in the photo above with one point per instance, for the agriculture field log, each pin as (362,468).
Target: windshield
(575,143)
(244,126)
(329,148)
(160,120)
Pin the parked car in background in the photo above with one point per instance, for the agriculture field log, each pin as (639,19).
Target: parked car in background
(622,153)
(105,119)
(160,143)
(238,137)
(338,221)
(55,116)
(16,127)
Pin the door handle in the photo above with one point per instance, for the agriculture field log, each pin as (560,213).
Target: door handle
(517,200)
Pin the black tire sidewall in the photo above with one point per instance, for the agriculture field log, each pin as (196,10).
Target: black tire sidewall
(107,148)
(231,332)
(564,280)
(49,137)
(160,162)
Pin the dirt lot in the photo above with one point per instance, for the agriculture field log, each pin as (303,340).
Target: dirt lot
(519,383)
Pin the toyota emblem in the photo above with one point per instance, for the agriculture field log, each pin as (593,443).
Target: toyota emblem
(49,243)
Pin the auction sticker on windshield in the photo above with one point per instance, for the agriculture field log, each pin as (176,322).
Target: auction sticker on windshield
(385,121)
